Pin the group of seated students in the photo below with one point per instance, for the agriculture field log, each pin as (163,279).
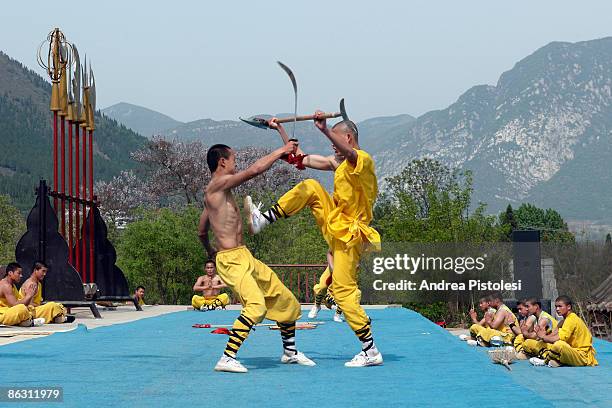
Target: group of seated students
(535,334)
(210,286)
(25,307)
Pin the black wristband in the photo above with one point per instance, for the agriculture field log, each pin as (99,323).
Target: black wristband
(511,325)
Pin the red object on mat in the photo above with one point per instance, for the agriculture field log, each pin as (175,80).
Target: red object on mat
(441,323)
(221,330)
(201,326)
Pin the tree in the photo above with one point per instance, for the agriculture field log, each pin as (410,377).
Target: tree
(162,252)
(122,195)
(552,226)
(12,227)
(508,223)
(429,202)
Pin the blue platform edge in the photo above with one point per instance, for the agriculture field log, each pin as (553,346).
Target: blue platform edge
(163,361)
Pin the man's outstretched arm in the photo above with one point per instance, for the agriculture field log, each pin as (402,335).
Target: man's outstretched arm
(342,145)
(230,181)
(313,161)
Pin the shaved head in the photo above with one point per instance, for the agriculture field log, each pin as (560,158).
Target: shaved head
(348,126)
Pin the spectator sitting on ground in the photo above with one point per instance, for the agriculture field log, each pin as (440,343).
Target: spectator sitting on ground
(210,285)
(13,308)
(52,312)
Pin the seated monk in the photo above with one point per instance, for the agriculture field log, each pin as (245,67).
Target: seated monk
(496,330)
(210,285)
(13,308)
(571,344)
(484,304)
(533,346)
(524,328)
(52,312)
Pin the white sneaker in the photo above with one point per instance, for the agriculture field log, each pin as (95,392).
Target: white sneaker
(496,341)
(537,361)
(230,365)
(464,337)
(314,311)
(299,358)
(338,317)
(38,322)
(472,343)
(255,220)
(364,360)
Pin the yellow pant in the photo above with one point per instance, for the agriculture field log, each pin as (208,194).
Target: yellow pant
(259,290)
(13,316)
(309,193)
(519,343)
(199,301)
(567,355)
(486,333)
(49,311)
(322,286)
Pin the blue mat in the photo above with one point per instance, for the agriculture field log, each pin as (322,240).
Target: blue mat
(163,361)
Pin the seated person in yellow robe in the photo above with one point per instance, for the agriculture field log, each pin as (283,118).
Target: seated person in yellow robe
(52,312)
(210,285)
(496,330)
(571,344)
(524,328)
(13,308)
(532,346)
(484,304)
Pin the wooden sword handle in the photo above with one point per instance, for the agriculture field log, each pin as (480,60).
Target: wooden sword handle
(309,117)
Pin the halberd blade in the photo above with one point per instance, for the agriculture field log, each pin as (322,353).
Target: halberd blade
(294,83)
(257,122)
(343,110)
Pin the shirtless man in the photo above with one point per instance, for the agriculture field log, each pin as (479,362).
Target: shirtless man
(52,312)
(13,308)
(210,285)
(257,287)
(484,304)
(496,330)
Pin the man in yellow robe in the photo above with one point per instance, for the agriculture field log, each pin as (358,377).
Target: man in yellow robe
(52,312)
(496,330)
(210,285)
(13,308)
(571,344)
(344,221)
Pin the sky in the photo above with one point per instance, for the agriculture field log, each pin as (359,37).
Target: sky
(202,59)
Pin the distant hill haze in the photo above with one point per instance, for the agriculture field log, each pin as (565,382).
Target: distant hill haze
(145,121)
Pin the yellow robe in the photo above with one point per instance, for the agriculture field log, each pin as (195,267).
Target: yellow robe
(198,301)
(52,312)
(14,315)
(344,223)
(575,344)
(487,333)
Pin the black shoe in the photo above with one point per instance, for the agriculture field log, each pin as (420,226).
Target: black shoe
(70,318)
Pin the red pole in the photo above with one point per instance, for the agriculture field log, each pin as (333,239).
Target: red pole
(70,181)
(91,207)
(55,158)
(307,288)
(63,156)
(298,285)
(84,235)
(77,187)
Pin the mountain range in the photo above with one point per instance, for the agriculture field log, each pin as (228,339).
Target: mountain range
(541,134)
